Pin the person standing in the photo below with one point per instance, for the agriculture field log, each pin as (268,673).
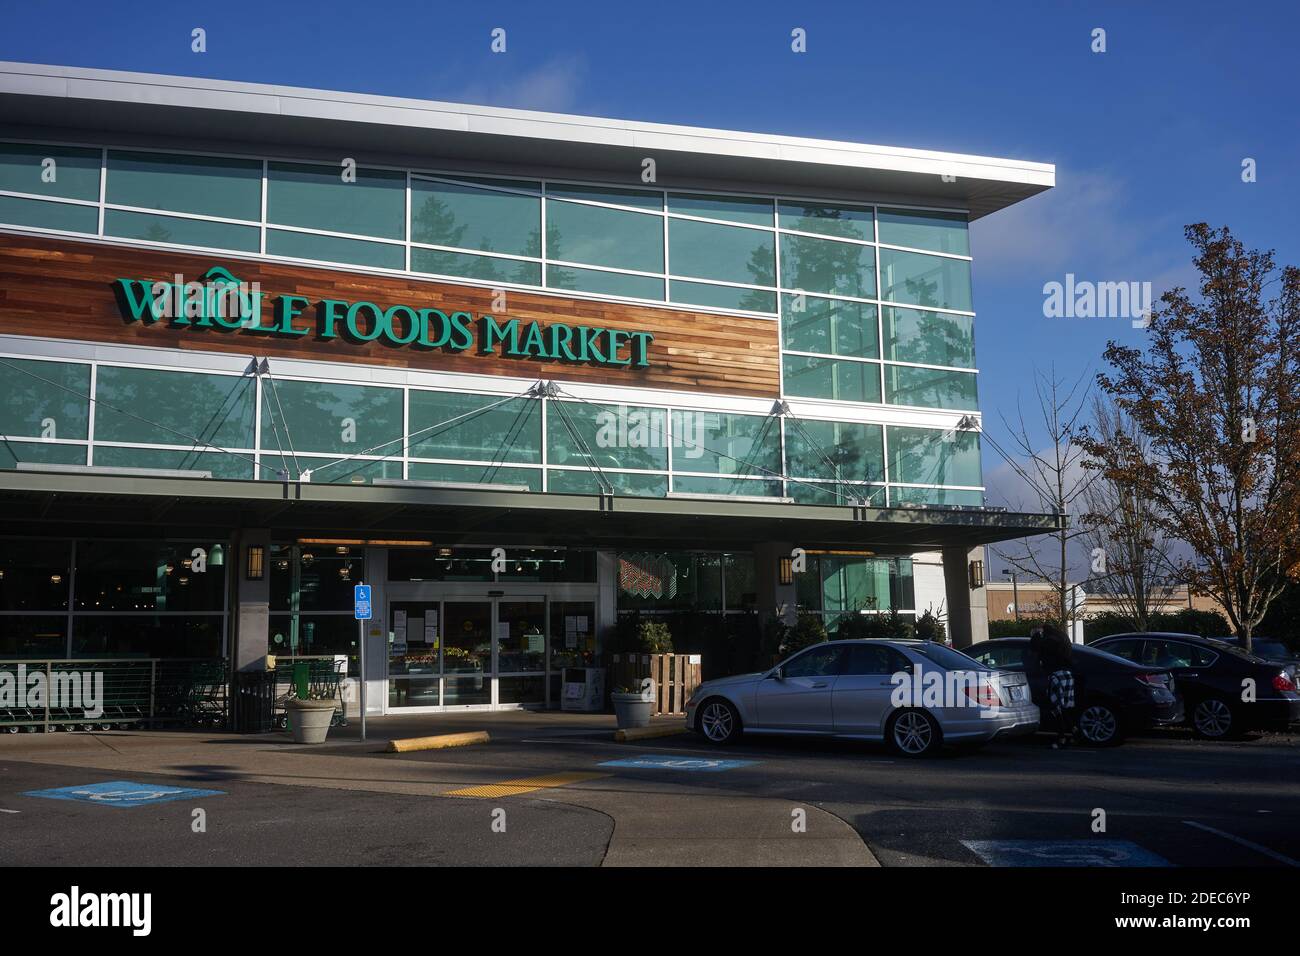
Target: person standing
(1061,698)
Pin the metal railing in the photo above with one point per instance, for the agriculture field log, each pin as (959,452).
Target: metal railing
(112,693)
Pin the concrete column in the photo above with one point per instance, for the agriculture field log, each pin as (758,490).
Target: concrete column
(968,613)
(253,606)
(774,598)
(606,598)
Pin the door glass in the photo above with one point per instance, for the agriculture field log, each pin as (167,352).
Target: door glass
(819,662)
(467,652)
(870,659)
(573,634)
(521,636)
(413,629)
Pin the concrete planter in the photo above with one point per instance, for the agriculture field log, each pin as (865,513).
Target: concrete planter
(309,720)
(632,710)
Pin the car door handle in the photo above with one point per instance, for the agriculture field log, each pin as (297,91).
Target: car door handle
(820,684)
(1189,674)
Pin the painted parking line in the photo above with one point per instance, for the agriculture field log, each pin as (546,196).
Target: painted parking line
(122,793)
(1063,853)
(649,762)
(511,788)
(1249,844)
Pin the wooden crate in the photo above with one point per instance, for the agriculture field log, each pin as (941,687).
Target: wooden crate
(675,675)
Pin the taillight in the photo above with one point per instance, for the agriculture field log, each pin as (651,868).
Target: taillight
(984,695)
(1283,682)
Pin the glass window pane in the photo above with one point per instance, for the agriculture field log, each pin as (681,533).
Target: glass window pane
(930,338)
(447,214)
(33,637)
(488,268)
(604,237)
(185,232)
(824,265)
(316,197)
(743,209)
(323,417)
(186,406)
(848,222)
(624,483)
(834,493)
(37,214)
(722,296)
(76,170)
(607,436)
(302,245)
(220,464)
(726,444)
(925,280)
(848,451)
(676,580)
(321,580)
(36,574)
(829,326)
(529,478)
(923,456)
(934,496)
(44,399)
(636,198)
(40,453)
(707,250)
(604,283)
(151,576)
(354,471)
(156,635)
(930,387)
(693,484)
(463,427)
(203,185)
(921,229)
(854,583)
(844,380)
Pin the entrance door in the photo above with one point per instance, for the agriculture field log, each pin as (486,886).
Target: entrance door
(521,649)
(467,652)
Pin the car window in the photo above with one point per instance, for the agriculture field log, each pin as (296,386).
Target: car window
(1168,654)
(946,657)
(1012,655)
(818,662)
(1129,649)
(873,659)
(1203,656)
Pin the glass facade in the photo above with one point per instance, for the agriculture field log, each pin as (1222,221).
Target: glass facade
(831,273)
(101,598)
(235,426)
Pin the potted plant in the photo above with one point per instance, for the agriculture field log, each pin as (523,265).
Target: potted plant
(634,703)
(309,717)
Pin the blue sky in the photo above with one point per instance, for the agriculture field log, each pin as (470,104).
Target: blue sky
(1146,137)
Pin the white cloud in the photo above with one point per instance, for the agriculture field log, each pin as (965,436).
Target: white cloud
(553,86)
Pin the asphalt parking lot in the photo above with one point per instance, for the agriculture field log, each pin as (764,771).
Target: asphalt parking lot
(553,791)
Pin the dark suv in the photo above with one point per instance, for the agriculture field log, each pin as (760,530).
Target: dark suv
(1225,691)
(1115,696)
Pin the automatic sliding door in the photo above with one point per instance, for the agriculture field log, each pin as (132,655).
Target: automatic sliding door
(467,652)
(521,650)
(413,654)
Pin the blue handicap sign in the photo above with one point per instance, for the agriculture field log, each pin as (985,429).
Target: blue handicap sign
(649,762)
(123,793)
(361,602)
(1063,853)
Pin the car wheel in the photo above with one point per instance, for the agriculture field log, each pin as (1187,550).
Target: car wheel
(1214,719)
(914,733)
(1100,726)
(718,721)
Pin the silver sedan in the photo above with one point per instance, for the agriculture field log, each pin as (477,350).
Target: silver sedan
(915,695)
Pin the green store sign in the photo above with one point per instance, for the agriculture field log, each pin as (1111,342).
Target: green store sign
(224,303)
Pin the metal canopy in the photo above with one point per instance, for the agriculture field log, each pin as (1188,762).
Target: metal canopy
(52,503)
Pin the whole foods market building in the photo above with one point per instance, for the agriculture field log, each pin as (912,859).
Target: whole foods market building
(526,374)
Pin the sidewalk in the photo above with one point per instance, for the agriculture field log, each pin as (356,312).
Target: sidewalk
(655,824)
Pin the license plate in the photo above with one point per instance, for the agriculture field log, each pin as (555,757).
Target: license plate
(1018,692)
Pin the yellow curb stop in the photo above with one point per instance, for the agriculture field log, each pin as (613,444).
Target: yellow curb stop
(440,742)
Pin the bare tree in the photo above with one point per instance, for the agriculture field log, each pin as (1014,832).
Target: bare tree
(1057,478)
(1130,549)
(1216,391)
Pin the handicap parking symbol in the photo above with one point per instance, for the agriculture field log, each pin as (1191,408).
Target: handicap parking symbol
(649,762)
(123,793)
(1063,853)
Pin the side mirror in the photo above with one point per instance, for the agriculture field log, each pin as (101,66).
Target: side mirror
(777,672)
